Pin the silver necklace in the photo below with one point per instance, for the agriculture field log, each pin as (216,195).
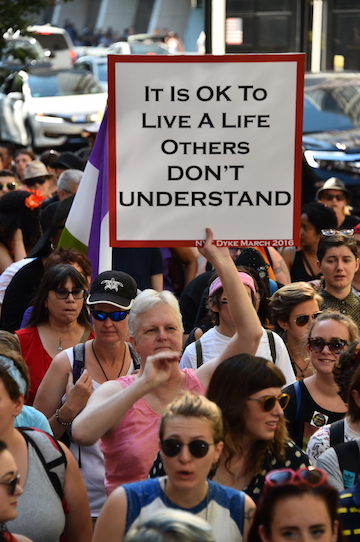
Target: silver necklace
(60,345)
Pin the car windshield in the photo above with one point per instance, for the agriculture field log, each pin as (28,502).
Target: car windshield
(102,71)
(67,83)
(331,104)
(147,48)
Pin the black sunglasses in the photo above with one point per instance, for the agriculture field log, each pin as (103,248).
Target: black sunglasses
(172,447)
(269,401)
(317,344)
(63,293)
(116,316)
(302,319)
(12,484)
(9,186)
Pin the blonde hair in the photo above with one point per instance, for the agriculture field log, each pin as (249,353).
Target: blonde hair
(191,404)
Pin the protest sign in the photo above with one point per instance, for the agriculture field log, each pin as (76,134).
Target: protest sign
(198,141)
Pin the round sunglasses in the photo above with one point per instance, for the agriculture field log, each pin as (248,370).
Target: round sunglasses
(309,475)
(269,401)
(12,484)
(302,319)
(116,316)
(9,186)
(317,345)
(171,447)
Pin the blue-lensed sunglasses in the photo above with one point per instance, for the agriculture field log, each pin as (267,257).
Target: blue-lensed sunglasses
(116,316)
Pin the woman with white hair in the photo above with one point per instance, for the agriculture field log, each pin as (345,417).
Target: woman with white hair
(125,413)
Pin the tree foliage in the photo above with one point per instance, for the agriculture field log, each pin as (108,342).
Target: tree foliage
(19,14)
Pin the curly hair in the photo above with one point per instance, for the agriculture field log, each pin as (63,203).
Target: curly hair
(320,216)
(233,381)
(343,372)
(341,319)
(14,215)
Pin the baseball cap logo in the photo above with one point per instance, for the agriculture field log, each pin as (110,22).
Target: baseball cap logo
(112,284)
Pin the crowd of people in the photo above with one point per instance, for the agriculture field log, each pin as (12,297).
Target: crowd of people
(185,394)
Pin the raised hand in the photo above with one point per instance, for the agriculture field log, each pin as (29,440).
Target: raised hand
(158,367)
(215,255)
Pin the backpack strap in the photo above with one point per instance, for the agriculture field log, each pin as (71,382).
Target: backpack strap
(348,454)
(79,361)
(199,354)
(271,344)
(135,357)
(337,433)
(50,454)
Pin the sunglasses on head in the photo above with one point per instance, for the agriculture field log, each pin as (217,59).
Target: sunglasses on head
(317,344)
(12,484)
(302,319)
(310,475)
(269,401)
(116,316)
(328,233)
(9,186)
(171,447)
(63,293)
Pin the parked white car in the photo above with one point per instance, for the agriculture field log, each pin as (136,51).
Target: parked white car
(44,108)
(58,42)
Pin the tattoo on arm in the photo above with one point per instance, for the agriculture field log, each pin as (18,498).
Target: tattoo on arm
(249,514)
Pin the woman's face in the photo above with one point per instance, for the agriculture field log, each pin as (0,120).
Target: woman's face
(259,424)
(8,502)
(64,311)
(296,332)
(184,470)
(109,331)
(9,409)
(21,162)
(158,330)
(304,519)
(308,234)
(324,361)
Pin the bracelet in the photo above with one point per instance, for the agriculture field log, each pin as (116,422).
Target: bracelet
(59,420)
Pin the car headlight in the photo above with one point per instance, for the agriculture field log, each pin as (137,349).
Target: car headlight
(40,117)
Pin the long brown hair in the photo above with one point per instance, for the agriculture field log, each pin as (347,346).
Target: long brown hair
(234,380)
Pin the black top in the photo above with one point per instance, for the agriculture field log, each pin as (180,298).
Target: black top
(299,269)
(306,417)
(20,293)
(140,263)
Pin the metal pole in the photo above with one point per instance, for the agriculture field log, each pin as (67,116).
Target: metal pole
(218,8)
(316,35)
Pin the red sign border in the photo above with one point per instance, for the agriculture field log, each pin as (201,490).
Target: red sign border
(299,58)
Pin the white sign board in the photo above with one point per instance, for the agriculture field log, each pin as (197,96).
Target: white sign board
(197,141)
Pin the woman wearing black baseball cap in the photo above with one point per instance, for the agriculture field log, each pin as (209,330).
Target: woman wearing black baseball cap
(76,372)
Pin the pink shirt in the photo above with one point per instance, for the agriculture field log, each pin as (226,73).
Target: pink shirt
(132,448)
